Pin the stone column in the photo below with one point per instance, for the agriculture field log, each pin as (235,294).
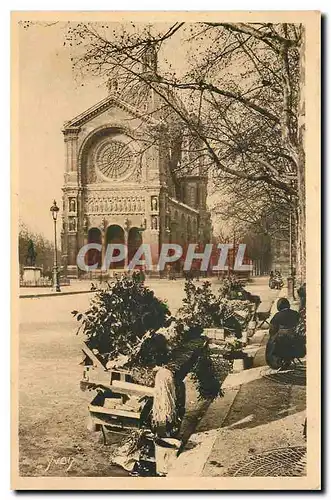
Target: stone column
(126,244)
(71,239)
(71,149)
(153,238)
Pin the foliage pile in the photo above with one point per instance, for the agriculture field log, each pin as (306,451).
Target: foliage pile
(231,288)
(206,378)
(229,284)
(120,316)
(300,333)
(202,307)
(302,325)
(131,328)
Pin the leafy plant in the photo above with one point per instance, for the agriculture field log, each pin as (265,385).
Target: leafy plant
(205,377)
(153,350)
(232,288)
(130,327)
(230,285)
(119,316)
(233,344)
(201,307)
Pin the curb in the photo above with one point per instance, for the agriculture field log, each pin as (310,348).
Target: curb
(54,294)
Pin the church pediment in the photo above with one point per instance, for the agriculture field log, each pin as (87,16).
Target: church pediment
(111,101)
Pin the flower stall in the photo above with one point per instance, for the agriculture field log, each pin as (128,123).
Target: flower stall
(136,357)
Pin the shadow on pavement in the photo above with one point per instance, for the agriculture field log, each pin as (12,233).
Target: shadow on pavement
(262,401)
(258,401)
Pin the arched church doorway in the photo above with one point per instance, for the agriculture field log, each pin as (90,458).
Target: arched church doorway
(93,256)
(134,242)
(115,235)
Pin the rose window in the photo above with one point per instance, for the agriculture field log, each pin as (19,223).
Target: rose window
(114,159)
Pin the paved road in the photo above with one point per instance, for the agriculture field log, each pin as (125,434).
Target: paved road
(53,410)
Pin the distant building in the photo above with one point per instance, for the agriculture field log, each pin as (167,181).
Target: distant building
(124,183)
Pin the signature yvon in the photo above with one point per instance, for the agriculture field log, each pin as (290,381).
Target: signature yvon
(63,461)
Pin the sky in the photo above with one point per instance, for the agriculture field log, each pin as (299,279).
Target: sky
(49,95)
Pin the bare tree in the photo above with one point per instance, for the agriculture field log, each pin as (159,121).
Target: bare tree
(240,99)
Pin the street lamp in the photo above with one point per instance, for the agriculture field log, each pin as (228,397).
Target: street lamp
(127,226)
(55,210)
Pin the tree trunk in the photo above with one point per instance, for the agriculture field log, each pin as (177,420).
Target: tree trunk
(301,228)
(301,209)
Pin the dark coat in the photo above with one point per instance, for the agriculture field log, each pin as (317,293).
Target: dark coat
(282,334)
(286,319)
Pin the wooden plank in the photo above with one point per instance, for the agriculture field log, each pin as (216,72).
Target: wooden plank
(98,376)
(119,426)
(120,387)
(115,412)
(93,357)
(130,388)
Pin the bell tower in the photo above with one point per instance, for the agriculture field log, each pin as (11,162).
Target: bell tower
(153,103)
(149,60)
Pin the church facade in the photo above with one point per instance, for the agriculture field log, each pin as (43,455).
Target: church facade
(123,184)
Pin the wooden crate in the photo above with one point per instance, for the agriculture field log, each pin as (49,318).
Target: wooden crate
(215,334)
(112,384)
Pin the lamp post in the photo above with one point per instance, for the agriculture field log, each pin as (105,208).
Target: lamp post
(55,210)
(127,226)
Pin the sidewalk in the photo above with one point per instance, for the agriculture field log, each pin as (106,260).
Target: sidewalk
(265,415)
(84,286)
(258,413)
(72,289)
(256,428)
